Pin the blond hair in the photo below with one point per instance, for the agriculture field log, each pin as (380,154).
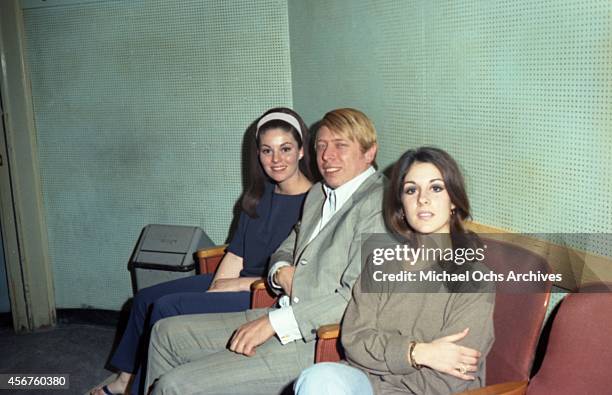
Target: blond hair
(351,124)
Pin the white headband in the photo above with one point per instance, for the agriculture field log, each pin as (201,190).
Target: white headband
(290,119)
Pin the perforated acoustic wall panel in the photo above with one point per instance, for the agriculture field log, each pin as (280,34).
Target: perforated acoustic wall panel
(518,92)
(140,110)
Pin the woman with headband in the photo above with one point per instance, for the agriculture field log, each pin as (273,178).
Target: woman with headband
(278,180)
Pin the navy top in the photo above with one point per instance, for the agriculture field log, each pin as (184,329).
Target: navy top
(257,238)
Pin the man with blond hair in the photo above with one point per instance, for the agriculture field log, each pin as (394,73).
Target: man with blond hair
(264,350)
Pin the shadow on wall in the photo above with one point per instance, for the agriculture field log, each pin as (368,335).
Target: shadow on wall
(5,303)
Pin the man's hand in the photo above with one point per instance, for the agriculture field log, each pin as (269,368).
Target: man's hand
(284,278)
(250,335)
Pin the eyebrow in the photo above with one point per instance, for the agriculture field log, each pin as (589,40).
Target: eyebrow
(285,143)
(333,140)
(430,181)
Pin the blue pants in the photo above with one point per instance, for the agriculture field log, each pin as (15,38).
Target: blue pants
(183,296)
(333,379)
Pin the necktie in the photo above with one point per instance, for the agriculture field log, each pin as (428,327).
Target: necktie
(329,208)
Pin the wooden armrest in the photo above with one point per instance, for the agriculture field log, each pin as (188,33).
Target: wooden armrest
(510,388)
(210,252)
(209,258)
(328,347)
(331,331)
(258,284)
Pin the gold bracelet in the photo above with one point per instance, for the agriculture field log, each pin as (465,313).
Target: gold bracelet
(411,356)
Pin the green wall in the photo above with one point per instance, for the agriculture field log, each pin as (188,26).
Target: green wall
(140,110)
(519,92)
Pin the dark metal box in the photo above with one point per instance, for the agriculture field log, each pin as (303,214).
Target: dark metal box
(164,253)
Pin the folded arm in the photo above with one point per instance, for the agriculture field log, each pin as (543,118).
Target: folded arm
(387,352)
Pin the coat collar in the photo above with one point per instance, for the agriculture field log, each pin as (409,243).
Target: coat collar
(311,218)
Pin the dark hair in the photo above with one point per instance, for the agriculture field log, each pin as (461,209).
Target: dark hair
(455,187)
(256,176)
(453,182)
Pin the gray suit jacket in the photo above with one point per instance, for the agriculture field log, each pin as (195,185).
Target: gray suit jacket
(327,267)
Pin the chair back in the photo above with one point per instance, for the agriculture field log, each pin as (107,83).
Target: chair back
(518,314)
(578,356)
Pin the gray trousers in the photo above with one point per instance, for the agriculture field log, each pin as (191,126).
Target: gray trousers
(188,355)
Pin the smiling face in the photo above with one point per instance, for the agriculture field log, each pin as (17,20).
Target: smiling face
(279,155)
(427,205)
(340,159)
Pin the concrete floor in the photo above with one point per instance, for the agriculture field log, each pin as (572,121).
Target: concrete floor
(80,350)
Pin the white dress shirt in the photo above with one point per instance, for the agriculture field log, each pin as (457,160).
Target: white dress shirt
(282,319)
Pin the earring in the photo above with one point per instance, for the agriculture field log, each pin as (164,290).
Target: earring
(453,211)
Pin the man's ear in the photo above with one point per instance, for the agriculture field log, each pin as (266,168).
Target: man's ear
(370,153)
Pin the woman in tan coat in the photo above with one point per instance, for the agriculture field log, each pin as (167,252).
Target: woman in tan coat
(418,337)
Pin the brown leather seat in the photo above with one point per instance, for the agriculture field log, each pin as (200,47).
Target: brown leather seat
(519,313)
(578,357)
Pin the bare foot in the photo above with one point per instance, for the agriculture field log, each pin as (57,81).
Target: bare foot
(118,386)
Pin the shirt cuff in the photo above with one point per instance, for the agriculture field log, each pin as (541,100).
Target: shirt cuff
(284,324)
(273,270)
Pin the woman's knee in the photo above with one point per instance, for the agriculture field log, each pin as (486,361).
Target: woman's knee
(144,298)
(332,378)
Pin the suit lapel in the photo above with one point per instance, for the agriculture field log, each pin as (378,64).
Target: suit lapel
(308,226)
(310,218)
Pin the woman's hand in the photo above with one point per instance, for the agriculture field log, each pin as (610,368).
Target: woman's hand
(447,357)
(229,285)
